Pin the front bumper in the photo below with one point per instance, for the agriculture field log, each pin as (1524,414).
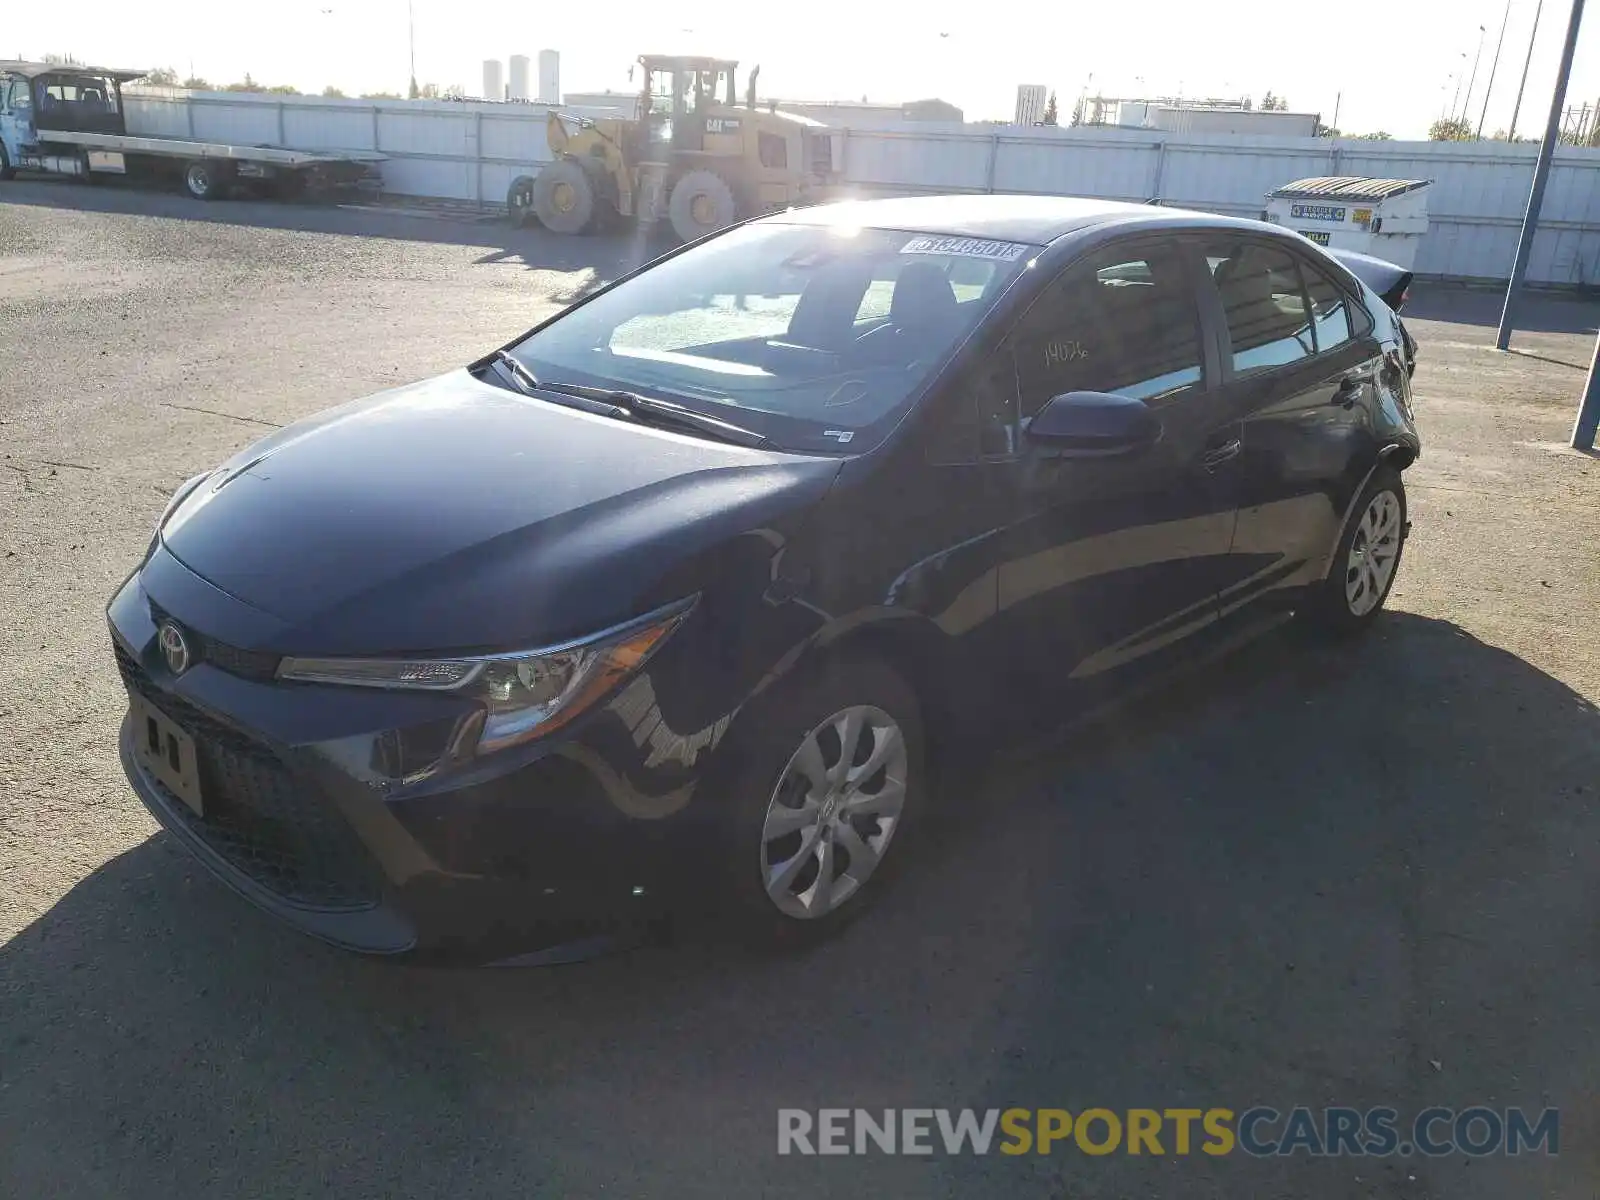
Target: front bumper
(539,849)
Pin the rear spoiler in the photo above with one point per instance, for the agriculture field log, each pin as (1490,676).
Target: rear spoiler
(1391,282)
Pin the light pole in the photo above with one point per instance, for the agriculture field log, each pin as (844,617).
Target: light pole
(1511,134)
(1493,67)
(1473,79)
(1541,176)
(1457,97)
(411,34)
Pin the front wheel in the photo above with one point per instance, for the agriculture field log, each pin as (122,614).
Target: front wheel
(1367,558)
(818,815)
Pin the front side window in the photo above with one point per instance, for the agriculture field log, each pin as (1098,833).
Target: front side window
(1268,317)
(1123,322)
(814,336)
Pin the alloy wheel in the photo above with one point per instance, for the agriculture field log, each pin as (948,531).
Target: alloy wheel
(833,812)
(1373,553)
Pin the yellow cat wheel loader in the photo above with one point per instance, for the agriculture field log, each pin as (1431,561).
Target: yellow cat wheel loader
(692,155)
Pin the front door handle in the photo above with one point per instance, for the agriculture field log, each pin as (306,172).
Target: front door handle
(1217,455)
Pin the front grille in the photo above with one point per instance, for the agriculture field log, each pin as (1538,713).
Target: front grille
(259,817)
(251,664)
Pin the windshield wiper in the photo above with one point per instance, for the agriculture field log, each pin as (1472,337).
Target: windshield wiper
(661,412)
(524,378)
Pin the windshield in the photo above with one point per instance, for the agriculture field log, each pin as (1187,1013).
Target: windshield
(815,337)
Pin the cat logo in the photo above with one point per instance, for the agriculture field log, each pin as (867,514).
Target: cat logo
(722,124)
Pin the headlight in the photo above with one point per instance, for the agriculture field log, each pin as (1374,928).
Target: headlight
(525,695)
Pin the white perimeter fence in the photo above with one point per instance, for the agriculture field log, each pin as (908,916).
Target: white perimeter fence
(470,151)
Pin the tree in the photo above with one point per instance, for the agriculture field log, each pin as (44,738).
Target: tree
(1077,113)
(196,84)
(1447,130)
(380,95)
(62,60)
(1327,131)
(1269,102)
(248,85)
(1378,136)
(415,93)
(283,89)
(161,77)
(1050,116)
(332,93)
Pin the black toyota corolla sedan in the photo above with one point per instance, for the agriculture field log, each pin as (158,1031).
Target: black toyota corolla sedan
(692,588)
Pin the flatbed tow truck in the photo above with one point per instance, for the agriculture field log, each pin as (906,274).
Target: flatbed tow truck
(68,120)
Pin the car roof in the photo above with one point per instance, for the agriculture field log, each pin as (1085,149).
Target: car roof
(1038,220)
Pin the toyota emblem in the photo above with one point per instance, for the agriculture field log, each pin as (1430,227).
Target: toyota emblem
(173,648)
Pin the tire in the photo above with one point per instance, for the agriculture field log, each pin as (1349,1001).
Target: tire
(203,180)
(563,197)
(7,171)
(701,203)
(1359,580)
(519,201)
(769,873)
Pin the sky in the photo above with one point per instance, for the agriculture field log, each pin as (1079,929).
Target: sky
(1394,66)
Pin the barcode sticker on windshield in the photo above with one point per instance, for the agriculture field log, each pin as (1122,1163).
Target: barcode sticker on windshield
(964,247)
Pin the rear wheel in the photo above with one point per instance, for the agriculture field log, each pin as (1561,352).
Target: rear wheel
(7,171)
(203,180)
(563,197)
(1368,557)
(701,203)
(519,201)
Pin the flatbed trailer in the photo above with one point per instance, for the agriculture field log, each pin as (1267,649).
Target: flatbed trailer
(69,121)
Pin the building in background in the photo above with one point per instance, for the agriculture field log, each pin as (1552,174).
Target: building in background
(865,115)
(1180,115)
(549,77)
(1031,100)
(519,77)
(494,87)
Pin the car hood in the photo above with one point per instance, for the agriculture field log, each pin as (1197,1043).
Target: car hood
(452,514)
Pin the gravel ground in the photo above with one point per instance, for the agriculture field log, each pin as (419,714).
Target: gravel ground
(1305,877)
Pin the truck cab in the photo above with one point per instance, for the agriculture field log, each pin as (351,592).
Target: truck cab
(37,100)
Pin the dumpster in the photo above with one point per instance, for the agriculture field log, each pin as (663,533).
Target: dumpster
(1385,218)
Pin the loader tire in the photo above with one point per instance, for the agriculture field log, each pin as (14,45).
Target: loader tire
(563,197)
(519,201)
(701,203)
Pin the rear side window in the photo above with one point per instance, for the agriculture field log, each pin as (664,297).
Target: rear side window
(1330,310)
(1269,318)
(1122,322)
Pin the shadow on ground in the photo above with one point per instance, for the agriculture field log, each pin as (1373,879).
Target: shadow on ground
(608,255)
(1536,311)
(1310,876)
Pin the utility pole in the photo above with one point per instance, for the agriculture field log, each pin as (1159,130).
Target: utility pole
(1493,67)
(1541,176)
(1472,82)
(1460,71)
(1511,134)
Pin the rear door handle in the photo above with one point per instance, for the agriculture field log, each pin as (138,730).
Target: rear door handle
(1349,390)
(1217,455)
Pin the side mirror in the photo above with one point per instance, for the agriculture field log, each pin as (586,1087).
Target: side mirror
(1093,425)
